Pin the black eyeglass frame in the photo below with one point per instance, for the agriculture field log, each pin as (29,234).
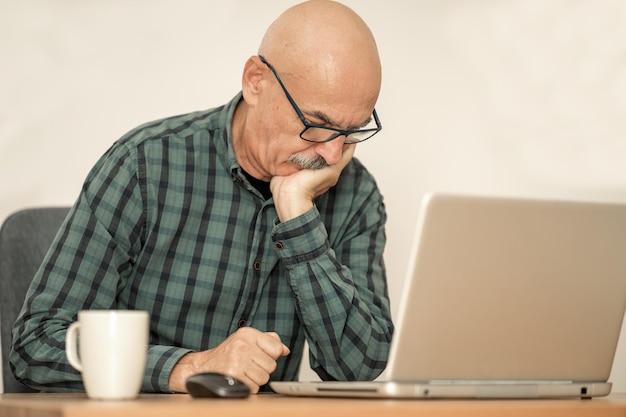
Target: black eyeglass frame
(307,125)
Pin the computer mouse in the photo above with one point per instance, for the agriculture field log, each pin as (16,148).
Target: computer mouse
(216,385)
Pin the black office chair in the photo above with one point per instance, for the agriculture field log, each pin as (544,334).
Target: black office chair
(25,237)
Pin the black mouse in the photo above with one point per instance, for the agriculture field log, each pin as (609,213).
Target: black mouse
(216,385)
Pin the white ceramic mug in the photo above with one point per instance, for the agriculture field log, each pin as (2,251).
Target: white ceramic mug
(113,349)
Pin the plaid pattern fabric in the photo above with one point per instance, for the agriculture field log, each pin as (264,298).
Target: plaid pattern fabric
(167,222)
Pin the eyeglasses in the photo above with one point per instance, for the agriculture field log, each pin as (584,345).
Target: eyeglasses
(317,133)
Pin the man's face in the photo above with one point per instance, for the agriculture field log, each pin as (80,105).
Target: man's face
(281,150)
(287,153)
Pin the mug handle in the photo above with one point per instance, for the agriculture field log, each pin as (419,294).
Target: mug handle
(70,346)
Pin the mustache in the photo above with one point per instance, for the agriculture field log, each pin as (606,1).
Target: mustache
(308,161)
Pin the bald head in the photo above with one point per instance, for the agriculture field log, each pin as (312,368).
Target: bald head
(328,45)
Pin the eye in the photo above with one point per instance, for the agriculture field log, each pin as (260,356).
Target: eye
(315,122)
(318,119)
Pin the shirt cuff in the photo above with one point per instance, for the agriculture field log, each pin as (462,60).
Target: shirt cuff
(159,364)
(300,239)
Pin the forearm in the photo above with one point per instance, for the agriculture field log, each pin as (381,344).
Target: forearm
(348,337)
(38,354)
(345,311)
(40,361)
(348,340)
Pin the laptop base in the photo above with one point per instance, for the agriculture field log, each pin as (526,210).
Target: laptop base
(450,390)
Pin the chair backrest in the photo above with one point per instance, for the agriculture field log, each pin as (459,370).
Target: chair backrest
(25,237)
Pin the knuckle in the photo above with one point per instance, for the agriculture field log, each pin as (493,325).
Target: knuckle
(239,345)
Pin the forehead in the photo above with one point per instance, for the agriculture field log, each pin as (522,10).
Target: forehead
(339,104)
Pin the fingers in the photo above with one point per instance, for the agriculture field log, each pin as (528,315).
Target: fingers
(270,348)
(347,155)
(294,194)
(269,345)
(261,350)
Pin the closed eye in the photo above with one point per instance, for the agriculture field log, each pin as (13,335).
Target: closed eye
(327,122)
(324,120)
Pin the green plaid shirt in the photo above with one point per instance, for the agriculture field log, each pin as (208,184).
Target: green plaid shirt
(167,222)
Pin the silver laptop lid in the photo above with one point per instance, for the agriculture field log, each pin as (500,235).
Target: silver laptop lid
(511,289)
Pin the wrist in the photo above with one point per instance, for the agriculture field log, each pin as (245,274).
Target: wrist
(182,370)
(292,208)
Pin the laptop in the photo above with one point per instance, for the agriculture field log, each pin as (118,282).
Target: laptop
(503,298)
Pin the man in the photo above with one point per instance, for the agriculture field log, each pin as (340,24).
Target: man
(243,230)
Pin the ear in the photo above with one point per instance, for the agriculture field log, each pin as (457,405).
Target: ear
(251,80)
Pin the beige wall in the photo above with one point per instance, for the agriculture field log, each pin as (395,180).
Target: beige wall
(518,97)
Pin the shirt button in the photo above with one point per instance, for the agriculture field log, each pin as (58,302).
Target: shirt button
(279,245)
(257,266)
(241,323)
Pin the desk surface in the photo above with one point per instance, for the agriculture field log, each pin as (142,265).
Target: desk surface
(270,405)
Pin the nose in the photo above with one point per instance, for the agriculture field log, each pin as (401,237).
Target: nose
(331,151)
